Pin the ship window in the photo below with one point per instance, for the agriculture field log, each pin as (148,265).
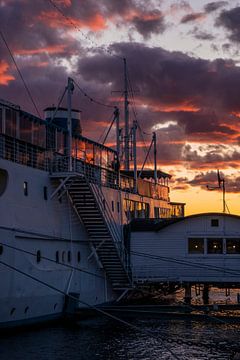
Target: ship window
(63,256)
(1,129)
(26,309)
(57,256)
(38,256)
(215,246)
(233,246)
(11,122)
(69,256)
(25,129)
(118,207)
(3,180)
(196,246)
(1,249)
(45,193)
(25,188)
(79,256)
(112,205)
(156,212)
(214,222)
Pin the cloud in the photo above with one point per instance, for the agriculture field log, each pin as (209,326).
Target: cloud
(201,35)
(149,23)
(192,17)
(5,78)
(229,19)
(213,6)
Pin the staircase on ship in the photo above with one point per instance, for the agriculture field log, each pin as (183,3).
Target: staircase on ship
(93,211)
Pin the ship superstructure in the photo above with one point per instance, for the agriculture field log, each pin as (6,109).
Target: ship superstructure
(64,201)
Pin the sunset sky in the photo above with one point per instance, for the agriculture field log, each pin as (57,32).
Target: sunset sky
(184,64)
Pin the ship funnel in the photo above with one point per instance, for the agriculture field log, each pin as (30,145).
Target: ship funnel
(61,117)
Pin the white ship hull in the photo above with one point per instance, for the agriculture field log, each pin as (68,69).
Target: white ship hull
(33,224)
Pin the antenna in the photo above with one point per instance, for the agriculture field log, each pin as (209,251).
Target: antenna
(221,185)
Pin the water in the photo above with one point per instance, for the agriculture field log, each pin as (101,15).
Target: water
(104,339)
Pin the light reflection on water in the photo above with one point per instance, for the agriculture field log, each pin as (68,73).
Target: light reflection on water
(104,339)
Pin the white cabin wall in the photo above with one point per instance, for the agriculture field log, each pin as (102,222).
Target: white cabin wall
(171,243)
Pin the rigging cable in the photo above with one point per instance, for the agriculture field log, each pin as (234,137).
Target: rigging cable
(68,19)
(20,74)
(218,347)
(91,99)
(146,332)
(188,263)
(51,260)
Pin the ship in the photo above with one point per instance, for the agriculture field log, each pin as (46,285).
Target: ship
(65,203)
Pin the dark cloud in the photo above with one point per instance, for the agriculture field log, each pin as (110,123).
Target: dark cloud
(213,6)
(232,182)
(229,19)
(192,17)
(180,6)
(201,35)
(150,23)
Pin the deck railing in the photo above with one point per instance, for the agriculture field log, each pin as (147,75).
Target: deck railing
(35,156)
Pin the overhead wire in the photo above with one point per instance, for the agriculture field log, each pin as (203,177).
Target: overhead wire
(51,260)
(20,74)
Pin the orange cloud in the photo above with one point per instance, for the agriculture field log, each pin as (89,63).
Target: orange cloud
(65,3)
(56,49)
(5,78)
(55,20)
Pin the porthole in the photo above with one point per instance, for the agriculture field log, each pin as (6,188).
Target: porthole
(38,256)
(79,256)
(1,249)
(12,311)
(3,180)
(25,188)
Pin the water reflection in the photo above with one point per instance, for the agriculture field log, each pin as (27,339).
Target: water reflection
(104,339)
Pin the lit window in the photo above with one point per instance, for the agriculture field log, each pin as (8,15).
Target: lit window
(233,246)
(215,246)
(196,246)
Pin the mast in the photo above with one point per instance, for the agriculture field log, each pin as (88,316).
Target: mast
(155,156)
(126,112)
(134,129)
(70,88)
(116,118)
